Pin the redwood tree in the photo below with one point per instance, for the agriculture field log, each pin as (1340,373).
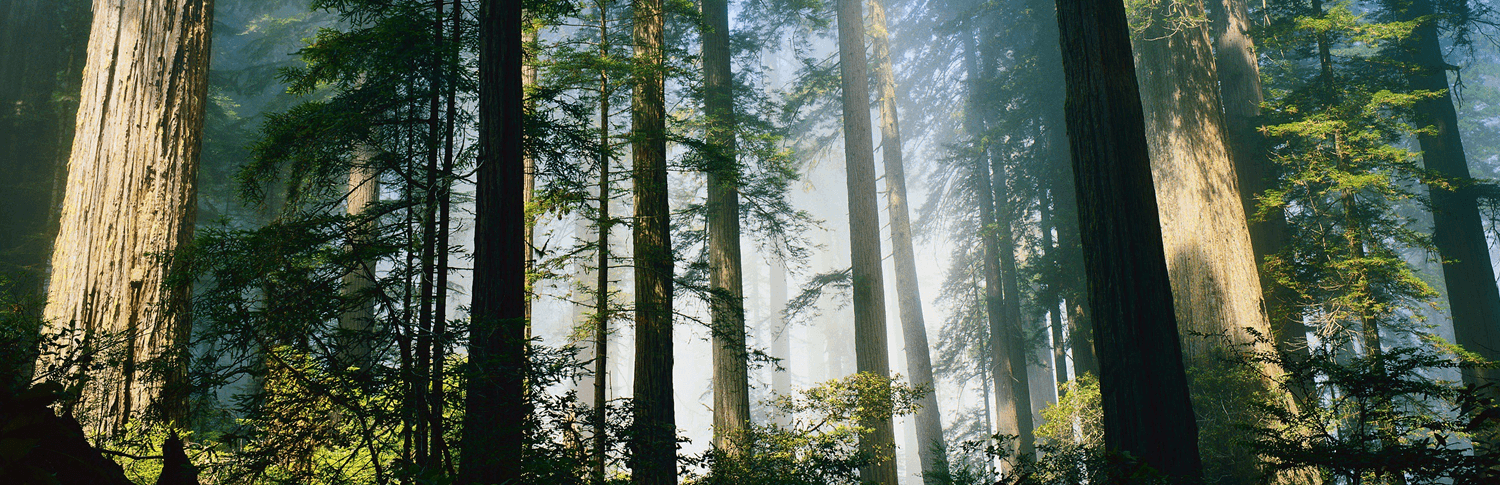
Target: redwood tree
(129,203)
(1142,383)
(494,418)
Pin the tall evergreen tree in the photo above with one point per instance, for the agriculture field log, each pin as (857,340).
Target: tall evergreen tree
(654,439)
(1142,383)
(731,369)
(871,351)
(494,416)
(931,448)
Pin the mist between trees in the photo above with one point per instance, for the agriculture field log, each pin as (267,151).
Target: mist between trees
(751,242)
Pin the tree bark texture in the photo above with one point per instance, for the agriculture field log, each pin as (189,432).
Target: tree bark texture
(1457,229)
(870,348)
(1215,284)
(654,445)
(494,408)
(731,371)
(1143,387)
(1240,94)
(130,202)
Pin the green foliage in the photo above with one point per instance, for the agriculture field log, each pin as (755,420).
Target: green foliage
(813,438)
(1379,416)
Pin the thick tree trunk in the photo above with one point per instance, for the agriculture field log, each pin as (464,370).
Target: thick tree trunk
(131,193)
(654,445)
(1457,229)
(870,349)
(494,414)
(1143,387)
(1215,285)
(731,371)
(1240,93)
(931,448)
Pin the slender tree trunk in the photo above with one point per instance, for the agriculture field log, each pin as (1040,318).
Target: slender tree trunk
(731,372)
(437,427)
(654,445)
(1457,229)
(781,346)
(1143,387)
(601,284)
(870,349)
(130,200)
(1007,405)
(1013,334)
(931,448)
(1054,323)
(494,418)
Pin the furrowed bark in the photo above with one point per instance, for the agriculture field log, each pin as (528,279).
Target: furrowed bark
(871,355)
(1142,383)
(726,282)
(129,203)
(654,446)
(494,417)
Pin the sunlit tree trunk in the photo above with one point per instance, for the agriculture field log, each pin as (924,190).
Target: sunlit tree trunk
(1240,93)
(731,372)
(1215,284)
(130,201)
(654,445)
(930,445)
(1142,384)
(494,414)
(870,348)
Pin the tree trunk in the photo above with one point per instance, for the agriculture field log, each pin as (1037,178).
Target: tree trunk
(870,349)
(130,201)
(1013,331)
(1240,93)
(931,448)
(654,445)
(731,372)
(356,323)
(1457,229)
(1142,383)
(1007,405)
(1215,285)
(781,345)
(494,419)
(601,283)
